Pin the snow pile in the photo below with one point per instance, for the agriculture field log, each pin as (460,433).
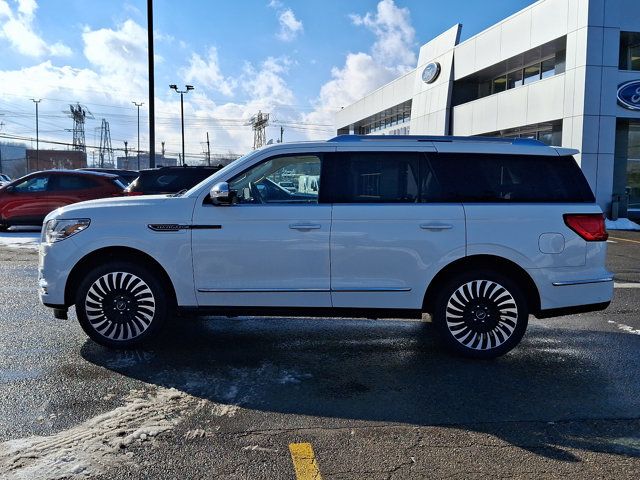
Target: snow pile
(20,239)
(89,448)
(621,224)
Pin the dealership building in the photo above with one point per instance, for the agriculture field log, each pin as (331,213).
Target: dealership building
(566,72)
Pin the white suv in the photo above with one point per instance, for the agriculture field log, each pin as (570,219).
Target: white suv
(477,232)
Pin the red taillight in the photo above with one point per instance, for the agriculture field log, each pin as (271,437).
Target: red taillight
(589,226)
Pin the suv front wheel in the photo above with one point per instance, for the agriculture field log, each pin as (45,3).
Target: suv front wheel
(120,304)
(481,314)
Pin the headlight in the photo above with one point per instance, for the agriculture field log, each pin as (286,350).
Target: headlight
(56,230)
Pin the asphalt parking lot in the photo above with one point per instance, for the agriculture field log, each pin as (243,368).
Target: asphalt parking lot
(350,399)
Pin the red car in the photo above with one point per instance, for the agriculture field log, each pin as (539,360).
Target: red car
(29,199)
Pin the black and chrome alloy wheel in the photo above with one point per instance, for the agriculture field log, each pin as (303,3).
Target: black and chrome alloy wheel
(481,314)
(120,305)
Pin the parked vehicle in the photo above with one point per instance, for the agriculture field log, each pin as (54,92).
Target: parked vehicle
(477,232)
(29,199)
(165,180)
(127,176)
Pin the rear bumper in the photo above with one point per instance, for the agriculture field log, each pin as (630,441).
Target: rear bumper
(559,312)
(572,288)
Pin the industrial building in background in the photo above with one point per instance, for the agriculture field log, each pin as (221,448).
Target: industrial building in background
(55,159)
(563,72)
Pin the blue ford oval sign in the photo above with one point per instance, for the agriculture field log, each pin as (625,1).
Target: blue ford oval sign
(629,95)
(431,72)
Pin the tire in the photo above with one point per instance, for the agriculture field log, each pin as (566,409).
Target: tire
(121,305)
(481,314)
(4,227)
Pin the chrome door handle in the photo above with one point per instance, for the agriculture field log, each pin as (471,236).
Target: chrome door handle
(305,226)
(436,226)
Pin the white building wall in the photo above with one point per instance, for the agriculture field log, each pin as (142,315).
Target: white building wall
(583,97)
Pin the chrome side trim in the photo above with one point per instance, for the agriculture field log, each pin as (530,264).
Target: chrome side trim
(303,290)
(175,227)
(583,282)
(261,290)
(372,289)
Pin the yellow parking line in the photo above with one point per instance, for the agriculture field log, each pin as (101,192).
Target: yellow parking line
(304,461)
(624,239)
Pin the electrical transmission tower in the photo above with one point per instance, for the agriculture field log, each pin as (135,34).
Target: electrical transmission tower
(79,113)
(259,125)
(105,153)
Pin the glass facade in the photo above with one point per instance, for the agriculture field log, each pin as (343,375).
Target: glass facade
(626,175)
(529,67)
(629,51)
(549,133)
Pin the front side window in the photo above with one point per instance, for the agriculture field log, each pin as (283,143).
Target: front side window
(33,184)
(374,177)
(629,51)
(285,179)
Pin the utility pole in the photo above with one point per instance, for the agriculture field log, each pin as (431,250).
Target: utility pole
(126,155)
(152,103)
(138,105)
(208,151)
(162,149)
(281,132)
(1,127)
(182,92)
(37,136)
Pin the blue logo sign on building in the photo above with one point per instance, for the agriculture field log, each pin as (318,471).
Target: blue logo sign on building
(629,95)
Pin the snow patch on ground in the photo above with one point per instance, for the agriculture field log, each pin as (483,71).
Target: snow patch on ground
(625,328)
(20,239)
(621,224)
(88,449)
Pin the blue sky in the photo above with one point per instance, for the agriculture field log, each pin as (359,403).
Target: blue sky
(299,60)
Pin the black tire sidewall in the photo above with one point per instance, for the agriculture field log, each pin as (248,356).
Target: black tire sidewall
(147,276)
(452,285)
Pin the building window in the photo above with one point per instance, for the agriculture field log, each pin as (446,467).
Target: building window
(629,51)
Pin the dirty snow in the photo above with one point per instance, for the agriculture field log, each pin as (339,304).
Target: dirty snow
(621,224)
(20,238)
(90,448)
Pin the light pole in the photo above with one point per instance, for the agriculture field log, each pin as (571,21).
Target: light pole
(138,105)
(37,135)
(182,92)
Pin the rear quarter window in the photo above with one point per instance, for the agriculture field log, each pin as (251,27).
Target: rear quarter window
(510,178)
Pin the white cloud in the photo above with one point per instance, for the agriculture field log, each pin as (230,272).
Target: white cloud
(17,28)
(290,26)
(275,4)
(207,72)
(390,56)
(395,36)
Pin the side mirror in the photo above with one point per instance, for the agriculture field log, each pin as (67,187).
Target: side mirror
(220,194)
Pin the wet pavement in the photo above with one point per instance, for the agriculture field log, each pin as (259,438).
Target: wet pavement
(225,398)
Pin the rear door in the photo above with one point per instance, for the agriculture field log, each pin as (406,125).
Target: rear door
(391,229)
(65,189)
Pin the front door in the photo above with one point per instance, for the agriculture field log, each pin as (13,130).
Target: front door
(271,248)
(391,229)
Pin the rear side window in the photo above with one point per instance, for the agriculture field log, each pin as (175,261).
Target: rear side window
(71,182)
(374,177)
(509,178)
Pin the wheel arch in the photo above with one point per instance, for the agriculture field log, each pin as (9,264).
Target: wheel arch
(489,262)
(102,255)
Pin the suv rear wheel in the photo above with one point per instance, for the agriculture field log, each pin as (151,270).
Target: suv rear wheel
(481,314)
(121,305)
